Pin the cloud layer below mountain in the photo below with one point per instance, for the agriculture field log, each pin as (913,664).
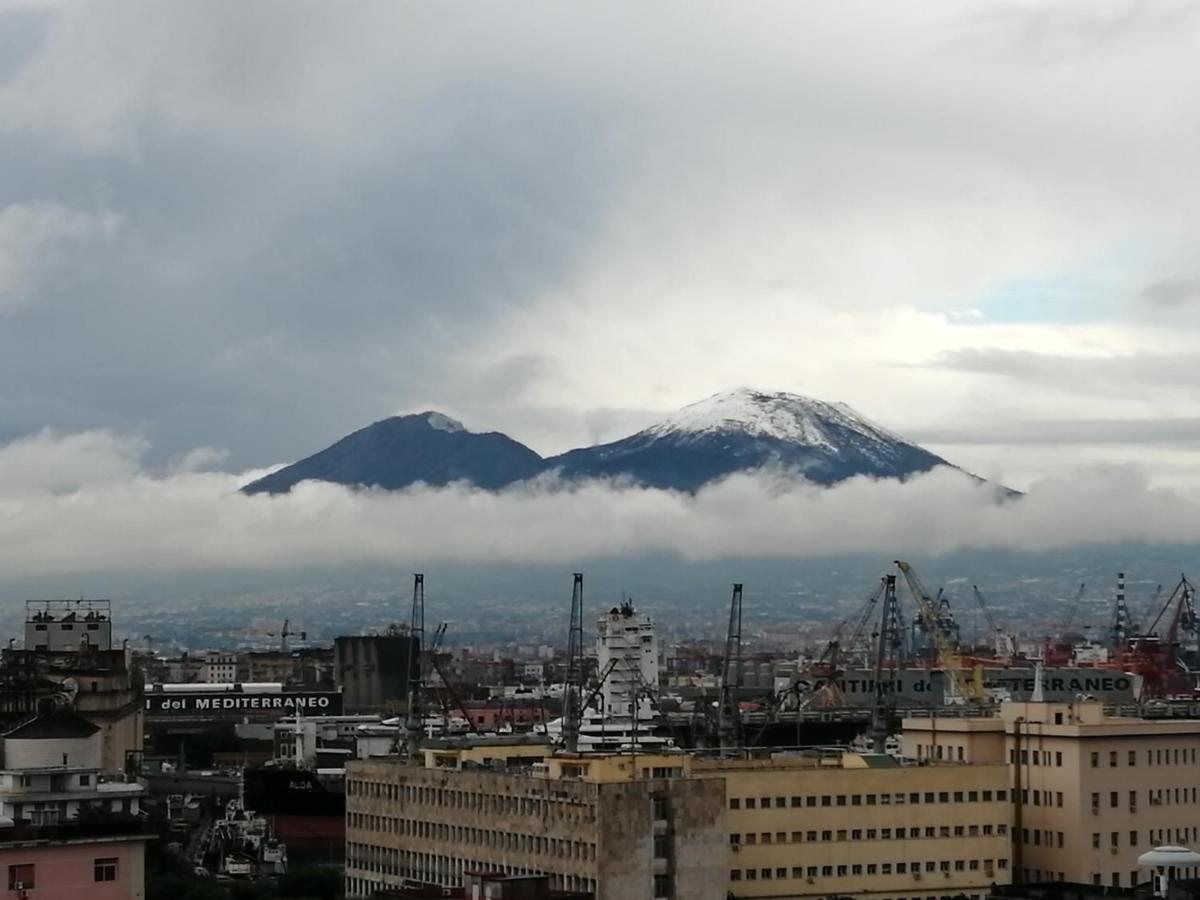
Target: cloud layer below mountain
(114,514)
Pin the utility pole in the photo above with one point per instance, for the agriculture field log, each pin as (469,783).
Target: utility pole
(415,723)
(573,685)
(729,715)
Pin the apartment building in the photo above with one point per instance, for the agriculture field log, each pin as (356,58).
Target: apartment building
(681,825)
(1091,791)
(626,839)
(51,773)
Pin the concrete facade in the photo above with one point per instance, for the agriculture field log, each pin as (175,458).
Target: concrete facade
(1092,792)
(786,826)
(866,827)
(51,864)
(620,840)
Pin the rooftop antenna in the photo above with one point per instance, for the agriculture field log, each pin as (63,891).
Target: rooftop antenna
(415,724)
(573,687)
(729,717)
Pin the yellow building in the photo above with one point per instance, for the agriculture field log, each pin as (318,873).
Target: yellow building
(1092,792)
(784,826)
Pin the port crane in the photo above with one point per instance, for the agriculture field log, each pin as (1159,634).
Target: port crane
(1002,641)
(729,721)
(959,690)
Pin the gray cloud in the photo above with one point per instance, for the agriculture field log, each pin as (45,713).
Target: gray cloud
(1171,292)
(329,214)
(1107,375)
(1066,432)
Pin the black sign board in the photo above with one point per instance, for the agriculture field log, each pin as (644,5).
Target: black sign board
(235,703)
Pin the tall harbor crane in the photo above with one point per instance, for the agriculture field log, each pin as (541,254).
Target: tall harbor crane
(729,714)
(573,700)
(959,689)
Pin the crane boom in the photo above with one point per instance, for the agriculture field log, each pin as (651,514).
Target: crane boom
(946,657)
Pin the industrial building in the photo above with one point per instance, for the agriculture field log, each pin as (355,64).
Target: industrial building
(372,671)
(1091,791)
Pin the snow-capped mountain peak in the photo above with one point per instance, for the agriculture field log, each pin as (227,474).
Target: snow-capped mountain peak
(443,422)
(772,414)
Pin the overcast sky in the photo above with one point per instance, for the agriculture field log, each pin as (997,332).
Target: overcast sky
(231,233)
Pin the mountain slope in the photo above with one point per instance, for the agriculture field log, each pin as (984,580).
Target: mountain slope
(403,450)
(745,430)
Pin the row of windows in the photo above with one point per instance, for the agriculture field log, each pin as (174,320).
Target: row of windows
(1159,757)
(812,800)
(900,868)
(1162,756)
(23,876)
(870,834)
(501,839)
(1156,797)
(391,867)
(479,801)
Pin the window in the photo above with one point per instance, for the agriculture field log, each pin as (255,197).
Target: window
(1114,799)
(1095,759)
(105,869)
(1133,757)
(662,846)
(749,803)
(826,800)
(1095,800)
(1132,800)
(20,877)
(1058,758)
(662,885)
(796,801)
(85,780)
(1116,839)
(1095,839)
(1112,758)
(660,807)
(780,802)
(735,875)
(735,839)
(766,873)
(735,803)
(1133,839)
(751,838)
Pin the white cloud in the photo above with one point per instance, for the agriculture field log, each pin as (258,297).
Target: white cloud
(34,238)
(79,503)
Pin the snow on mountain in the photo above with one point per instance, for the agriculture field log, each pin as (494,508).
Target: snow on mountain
(773,414)
(744,430)
(738,431)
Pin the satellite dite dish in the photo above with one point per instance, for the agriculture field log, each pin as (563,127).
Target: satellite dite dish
(1166,862)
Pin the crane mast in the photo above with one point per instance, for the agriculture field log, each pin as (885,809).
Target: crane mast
(729,715)
(415,721)
(573,685)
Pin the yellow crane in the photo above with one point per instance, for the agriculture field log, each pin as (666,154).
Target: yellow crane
(959,688)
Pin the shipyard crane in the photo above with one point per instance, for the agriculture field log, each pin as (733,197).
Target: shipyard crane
(415,720)
(887,654)
(1157,659)
(729,713)
(572,717)
(959,689)
(1002,641)
(1072,609)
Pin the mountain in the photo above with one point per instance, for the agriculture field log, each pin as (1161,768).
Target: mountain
(737,431)
(747,429)
(397,452)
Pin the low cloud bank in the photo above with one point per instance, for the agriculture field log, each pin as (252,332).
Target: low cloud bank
(83,502)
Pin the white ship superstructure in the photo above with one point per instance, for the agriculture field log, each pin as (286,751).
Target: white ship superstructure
(627,650)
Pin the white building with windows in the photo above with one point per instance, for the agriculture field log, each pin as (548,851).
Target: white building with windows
(51,769)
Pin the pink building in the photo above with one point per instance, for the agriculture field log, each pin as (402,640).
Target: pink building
(73,860)
(68,829)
